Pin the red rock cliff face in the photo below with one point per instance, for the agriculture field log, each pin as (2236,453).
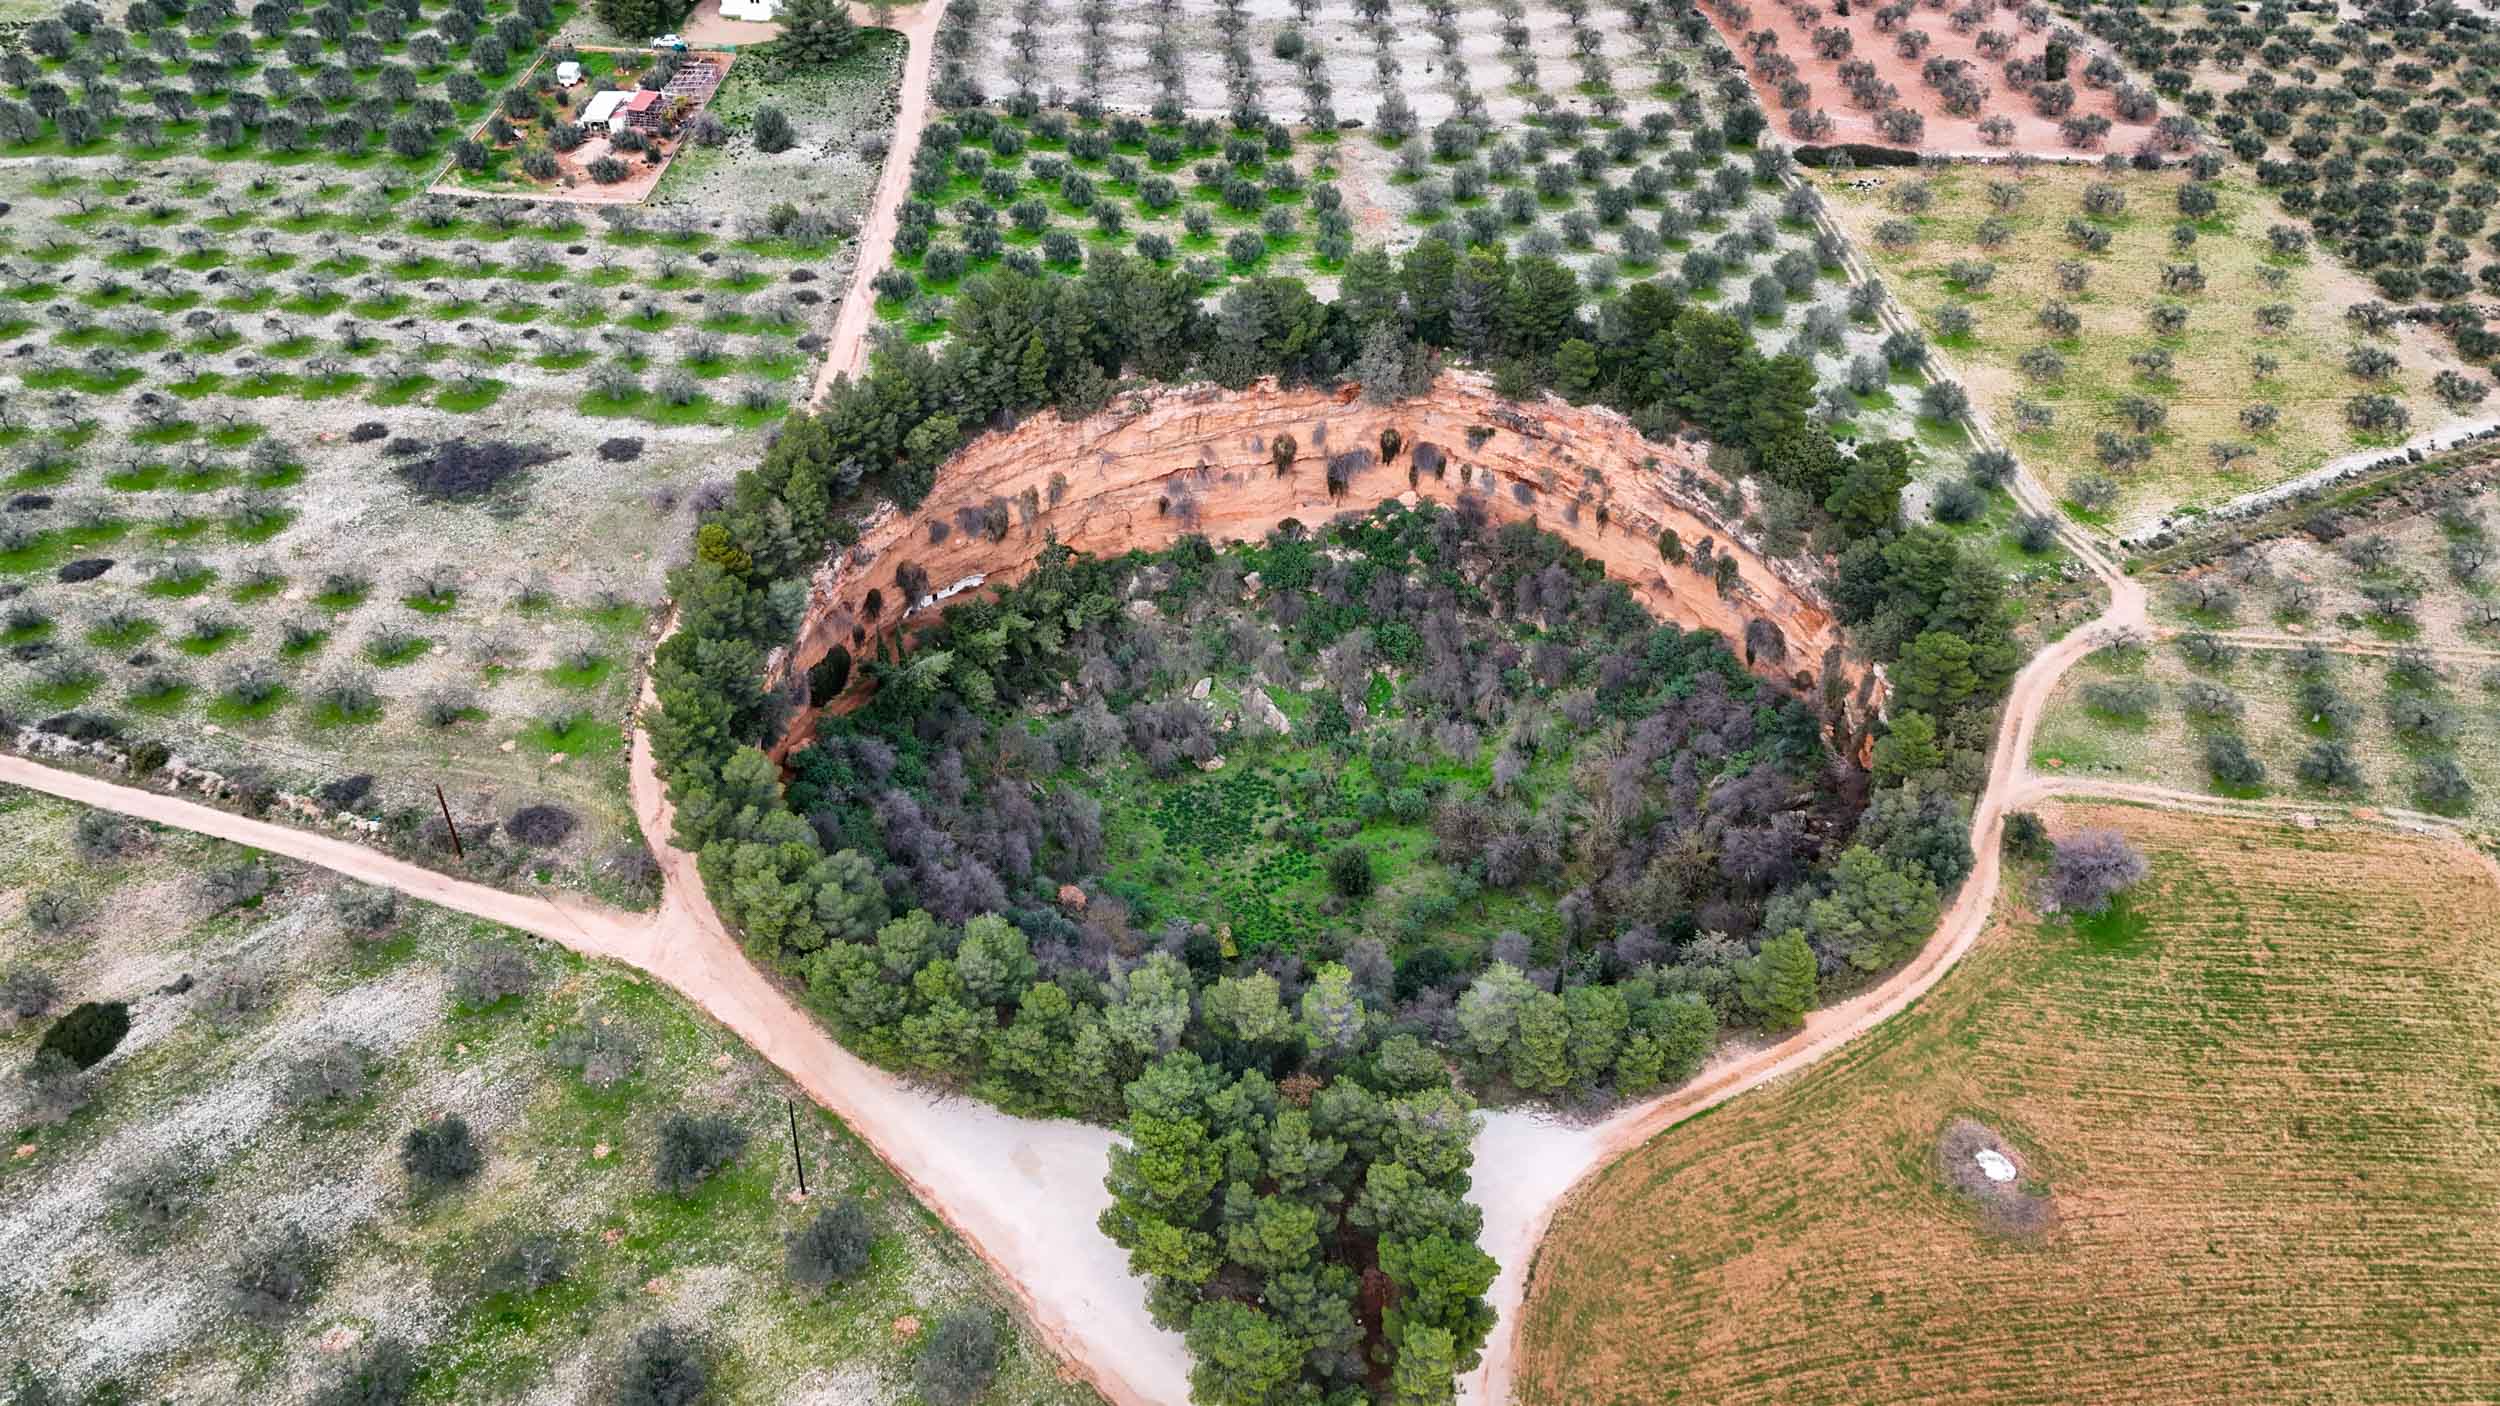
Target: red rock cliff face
(1150,470)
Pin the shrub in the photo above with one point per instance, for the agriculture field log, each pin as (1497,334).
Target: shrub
(233,885)
(157,1194)
(56,1088)
(27,992)
(440,1151)
(274,1277)
(2207,650)
(2422,722)
(102,836)
(2377,413)
(364,908)
(534,1262)
(445,707)
(491,972)
(666,1366)
(2329,763)
(2026,837)
(2132,699)
(833,1246)
(331,1075)
(2414,667)
(2442,785)
(90,1031)
(2228,759)
(1350,871)
(2042,364)
(1990,468)
(52,912)
(692,1148)
(1943,400)
(2089,869)
(1959,500)
(602,1050)
(236,993)
(960,1359)
(541,826)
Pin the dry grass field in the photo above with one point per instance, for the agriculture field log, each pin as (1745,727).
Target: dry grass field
(2259,1102)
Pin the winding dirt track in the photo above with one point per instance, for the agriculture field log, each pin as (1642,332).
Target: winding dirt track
(847,350)
(1529,1165)
(1024,1193)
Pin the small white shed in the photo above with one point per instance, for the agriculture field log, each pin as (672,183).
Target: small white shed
(568,73)
(601,110)
(755,11)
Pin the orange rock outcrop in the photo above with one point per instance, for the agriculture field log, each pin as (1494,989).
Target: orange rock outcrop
(1151,469)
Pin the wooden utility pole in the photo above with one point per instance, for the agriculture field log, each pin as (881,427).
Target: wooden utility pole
(795,1160)
(456,851)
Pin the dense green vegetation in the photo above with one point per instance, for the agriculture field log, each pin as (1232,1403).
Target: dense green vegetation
(945,879)
(384,86)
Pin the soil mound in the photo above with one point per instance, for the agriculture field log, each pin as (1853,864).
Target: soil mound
(1976,1162)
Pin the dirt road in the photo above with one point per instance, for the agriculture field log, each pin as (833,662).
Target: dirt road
(986,1173)
(848,349)
(1022,1193)
(1529,1166)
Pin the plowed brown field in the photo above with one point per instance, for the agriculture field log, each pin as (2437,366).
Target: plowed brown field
(2265,1105)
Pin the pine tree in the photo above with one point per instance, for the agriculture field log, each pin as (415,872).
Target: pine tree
(1382,365)
(816,31)
(1777,983)
(638,19)
(1910,748)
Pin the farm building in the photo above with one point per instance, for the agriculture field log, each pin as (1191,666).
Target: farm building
(617,110)
(757,11)
(601,109)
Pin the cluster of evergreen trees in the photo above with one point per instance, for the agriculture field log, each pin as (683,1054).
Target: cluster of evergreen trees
(1256,1213)
(903,875)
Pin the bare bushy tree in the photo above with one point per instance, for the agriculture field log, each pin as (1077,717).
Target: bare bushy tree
(2089,869)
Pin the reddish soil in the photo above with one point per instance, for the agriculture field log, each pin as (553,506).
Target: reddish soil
(1198,461)
(1945,133)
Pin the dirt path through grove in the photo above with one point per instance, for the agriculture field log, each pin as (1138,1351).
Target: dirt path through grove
(1524,1175)
(1024,1193)
(847,350)
(991,1176)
